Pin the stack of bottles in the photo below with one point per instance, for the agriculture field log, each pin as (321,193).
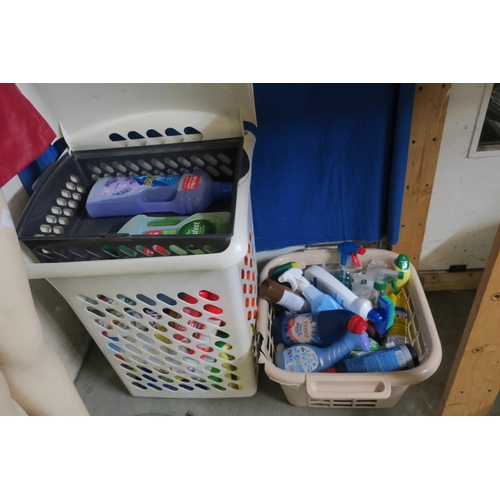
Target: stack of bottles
(344,321)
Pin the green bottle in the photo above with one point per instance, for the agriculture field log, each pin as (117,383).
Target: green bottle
(203,223)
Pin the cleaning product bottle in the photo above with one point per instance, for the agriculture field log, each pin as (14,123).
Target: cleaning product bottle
(321,328)
(326,283)
(279,270)
(319,301)
(311,358)
(204,223)
(283,296)
(402,357)
(401,263)
(348,254)
(182,194)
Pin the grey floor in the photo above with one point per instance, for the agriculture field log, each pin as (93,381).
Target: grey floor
(104,394)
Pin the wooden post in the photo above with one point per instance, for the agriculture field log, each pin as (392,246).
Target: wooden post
(474,380)
(429,112)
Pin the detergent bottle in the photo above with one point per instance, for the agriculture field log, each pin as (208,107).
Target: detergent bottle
(311,358)
(321,328)
(348,254)
(185,194)
(319,301)
(208,223)
(326,283)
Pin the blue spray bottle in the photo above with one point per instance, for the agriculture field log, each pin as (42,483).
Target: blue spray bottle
(319,301)
(348,253)
(310,358)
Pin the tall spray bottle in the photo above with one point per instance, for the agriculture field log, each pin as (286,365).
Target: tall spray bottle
(348,258)
(318,300)
(326,283)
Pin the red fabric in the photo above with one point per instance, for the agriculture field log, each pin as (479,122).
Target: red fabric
(24,133)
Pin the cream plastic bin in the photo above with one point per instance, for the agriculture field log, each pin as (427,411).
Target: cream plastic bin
(352,390)
(178,326)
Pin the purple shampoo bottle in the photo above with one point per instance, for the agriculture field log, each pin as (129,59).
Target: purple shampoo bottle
(185,194)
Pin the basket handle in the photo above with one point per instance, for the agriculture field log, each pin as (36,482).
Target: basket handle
(348,386)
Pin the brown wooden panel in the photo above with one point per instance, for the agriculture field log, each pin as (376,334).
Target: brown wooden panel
(474,380)
(438,281)
(429,112)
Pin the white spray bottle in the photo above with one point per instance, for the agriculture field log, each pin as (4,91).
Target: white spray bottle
(319,301)
(330,285)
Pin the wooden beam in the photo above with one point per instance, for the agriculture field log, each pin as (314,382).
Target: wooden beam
(474,379)
(433,281)
(429,113)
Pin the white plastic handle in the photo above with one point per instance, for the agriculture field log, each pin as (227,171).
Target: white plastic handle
(348,386)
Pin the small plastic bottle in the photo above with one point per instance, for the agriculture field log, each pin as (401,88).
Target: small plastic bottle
(283,296)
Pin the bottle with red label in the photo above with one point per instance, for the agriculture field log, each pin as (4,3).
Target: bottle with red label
(185,194)
(322,328)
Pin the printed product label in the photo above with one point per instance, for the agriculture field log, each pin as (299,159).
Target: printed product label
(191,182)
(303,329)
(300,358)
(383,361)
(119,186)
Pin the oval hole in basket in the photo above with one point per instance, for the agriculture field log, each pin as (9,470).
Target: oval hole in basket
(172,361)
(177,326)
(58,230)
(56,210)
(234,386)
(157,326)
(102,324)
(167,350)
(210,159)
(128,338)
(187,298)
(139,326)
(162,251)
(177,250)
(228,366)
(208,359)
(114,347)
(45,228)
(84,298)
(143,387)
(145,299)
(232,376)
(138,360)
(144,369)
(204,348)
(144,251)
(200,336)
(110,251)
(152,133)
(125,299)
(155,361)
(149,350)
(181,338)
(212,309)
(224,346)
(196,324)
(115,313)
(121,325)
(116,137)
(145,338)
(218,387)
(121,358)
(222,335)
(211,369)
(133,349)
(165,379)
(210,249)
(222,157)
(105,334)
(96,312)
(171,313)
(152,313)
(127,367)
(186,350)
(131,375)
(190,361)
(198,161)
(132,312)
(72,204)
(205,294)
(166,299)
(129,252)
(171,132)
(228,357)
(194,249)
(162,338)
(105,299)
(50,219)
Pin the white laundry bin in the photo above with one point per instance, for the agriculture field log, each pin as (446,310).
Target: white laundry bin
(175,316)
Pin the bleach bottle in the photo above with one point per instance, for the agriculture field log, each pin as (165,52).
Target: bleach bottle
(185,194)
(310,358)
(319,301)
(320,328)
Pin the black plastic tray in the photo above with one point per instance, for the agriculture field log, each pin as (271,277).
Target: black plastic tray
(55,225)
